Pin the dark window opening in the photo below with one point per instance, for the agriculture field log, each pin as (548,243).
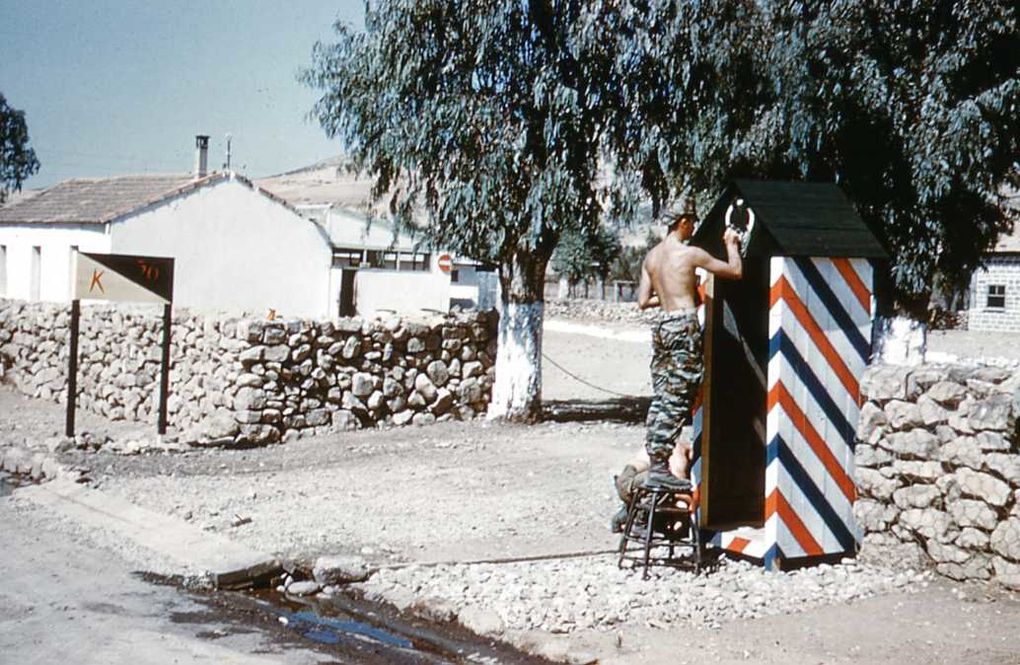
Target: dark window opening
(996,296)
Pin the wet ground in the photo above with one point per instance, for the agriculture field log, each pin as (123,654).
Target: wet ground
(347,628)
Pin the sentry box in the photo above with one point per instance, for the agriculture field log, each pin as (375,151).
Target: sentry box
(785,348)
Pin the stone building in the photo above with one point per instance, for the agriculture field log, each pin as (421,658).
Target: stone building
(994,294)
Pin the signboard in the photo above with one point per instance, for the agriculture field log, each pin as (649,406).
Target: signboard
(445,262)
(123,278)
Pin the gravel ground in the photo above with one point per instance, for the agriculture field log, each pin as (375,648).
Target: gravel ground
(562,596)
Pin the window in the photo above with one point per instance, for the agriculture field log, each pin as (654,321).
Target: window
(35,274)
(996,296)
(455,276)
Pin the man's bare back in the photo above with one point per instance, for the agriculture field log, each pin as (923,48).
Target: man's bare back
(668,277)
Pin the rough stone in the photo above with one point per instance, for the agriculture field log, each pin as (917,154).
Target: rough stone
(973,513)
(1007,573)
(438,373)
(444,400)
(1007,466)
(250,399)
(362,384)
(983,486)
(992,441)
(874,484)
(916,496)
(962,451)
(426,388)
(921,470)
(340,569)
(991,413)
(277,353)
(917,442)
(931,412)
(885,382)
(947,393)
(1005,539)
(870,419)
(975,567)
(973,539)
(874,516)
(306,588)
(903,415)
(946,553)
(481,621)
(871,456)
(931,524)
(403,417)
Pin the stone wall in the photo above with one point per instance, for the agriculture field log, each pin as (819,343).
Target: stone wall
(244,381)
(937,467)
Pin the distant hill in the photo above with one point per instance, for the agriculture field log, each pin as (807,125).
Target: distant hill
(324,183)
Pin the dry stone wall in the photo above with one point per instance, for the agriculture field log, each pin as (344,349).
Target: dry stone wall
(938,467)
(248,381)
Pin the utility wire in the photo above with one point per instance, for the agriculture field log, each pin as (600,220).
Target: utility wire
(577,378)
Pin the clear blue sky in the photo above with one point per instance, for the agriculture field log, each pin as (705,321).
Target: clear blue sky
(123,86)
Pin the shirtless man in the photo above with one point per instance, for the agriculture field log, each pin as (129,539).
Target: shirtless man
(668,281)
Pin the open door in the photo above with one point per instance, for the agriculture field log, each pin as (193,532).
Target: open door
(735,390)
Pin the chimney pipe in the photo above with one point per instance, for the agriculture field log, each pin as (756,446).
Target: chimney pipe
(201,155)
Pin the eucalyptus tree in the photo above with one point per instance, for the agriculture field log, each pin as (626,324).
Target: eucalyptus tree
(912,107)
(17,159)
(476,114)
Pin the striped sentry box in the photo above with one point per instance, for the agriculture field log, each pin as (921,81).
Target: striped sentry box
(819,329)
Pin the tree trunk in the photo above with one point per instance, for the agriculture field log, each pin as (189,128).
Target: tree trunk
(900,340)
(517,392)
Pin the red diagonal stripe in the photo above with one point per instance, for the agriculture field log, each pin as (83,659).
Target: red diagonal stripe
(782,290)
(779,395)
(800,532)
(853,280)
(738,545)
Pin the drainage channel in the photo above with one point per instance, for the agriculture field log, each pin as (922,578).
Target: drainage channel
(350,628)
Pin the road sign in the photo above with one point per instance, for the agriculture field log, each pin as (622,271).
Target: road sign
(445,262)
(123,278)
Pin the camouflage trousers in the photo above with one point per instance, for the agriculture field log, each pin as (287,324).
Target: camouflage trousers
(677,369)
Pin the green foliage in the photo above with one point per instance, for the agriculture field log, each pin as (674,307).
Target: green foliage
(912,107)
(581,256)
(17,159)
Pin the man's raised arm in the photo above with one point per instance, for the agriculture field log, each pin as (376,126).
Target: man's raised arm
(733,267)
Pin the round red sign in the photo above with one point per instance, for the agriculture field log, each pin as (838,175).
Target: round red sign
(445,262)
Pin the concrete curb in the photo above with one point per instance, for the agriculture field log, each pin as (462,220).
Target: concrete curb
(223,562)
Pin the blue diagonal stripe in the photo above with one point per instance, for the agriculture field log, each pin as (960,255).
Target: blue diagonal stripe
(814,495)
(835,307)
(782,343)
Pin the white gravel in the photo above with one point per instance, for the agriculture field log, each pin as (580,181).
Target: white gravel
(565,595)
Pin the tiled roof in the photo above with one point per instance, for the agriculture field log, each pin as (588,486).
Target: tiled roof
(99,200)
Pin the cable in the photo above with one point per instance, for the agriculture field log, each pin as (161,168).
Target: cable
(577,378)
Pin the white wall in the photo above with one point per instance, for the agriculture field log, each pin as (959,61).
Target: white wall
(55,242)
(401,291)
(1002,270)
(234,249)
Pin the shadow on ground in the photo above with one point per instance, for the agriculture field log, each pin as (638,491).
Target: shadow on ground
(630,410)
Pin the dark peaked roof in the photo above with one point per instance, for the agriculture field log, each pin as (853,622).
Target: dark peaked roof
(101,200)
(794,219)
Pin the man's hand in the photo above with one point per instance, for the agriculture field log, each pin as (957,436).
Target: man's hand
(731,237)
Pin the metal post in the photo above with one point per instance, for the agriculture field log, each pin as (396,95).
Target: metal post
(164,380)
(72,369)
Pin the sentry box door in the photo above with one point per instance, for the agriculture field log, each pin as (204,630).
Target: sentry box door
(784,349)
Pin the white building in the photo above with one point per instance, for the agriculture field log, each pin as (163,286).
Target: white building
(236,247)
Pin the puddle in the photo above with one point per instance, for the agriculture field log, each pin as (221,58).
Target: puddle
(347,627)
(352,621)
